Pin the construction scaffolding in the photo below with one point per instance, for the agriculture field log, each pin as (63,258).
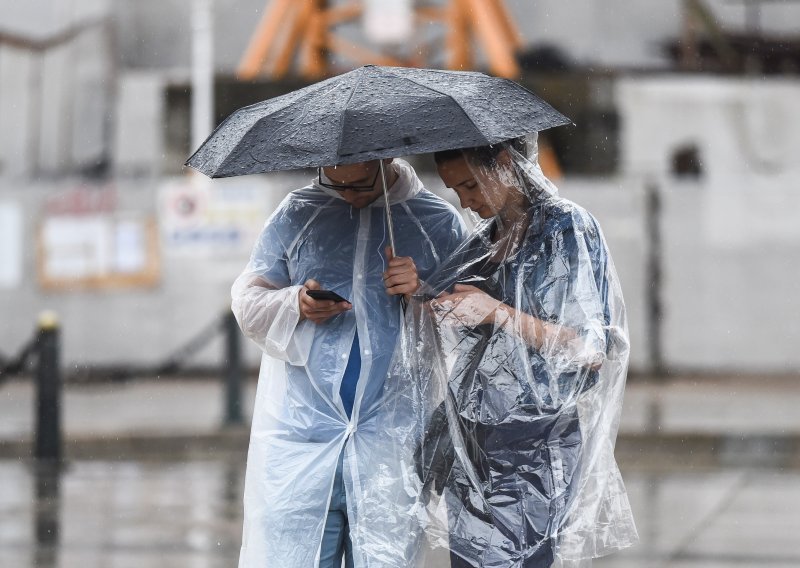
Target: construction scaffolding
(307,33)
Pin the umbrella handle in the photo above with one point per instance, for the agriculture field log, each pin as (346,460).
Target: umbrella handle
(388,209)
(389,222)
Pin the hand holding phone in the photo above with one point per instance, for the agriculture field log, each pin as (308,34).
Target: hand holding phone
(325,295)
(320,305)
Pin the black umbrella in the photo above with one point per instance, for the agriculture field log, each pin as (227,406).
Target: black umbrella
(369,113)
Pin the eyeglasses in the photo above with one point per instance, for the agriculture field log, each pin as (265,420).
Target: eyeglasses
(343,187)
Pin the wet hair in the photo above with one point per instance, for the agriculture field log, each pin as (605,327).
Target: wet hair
(483,155)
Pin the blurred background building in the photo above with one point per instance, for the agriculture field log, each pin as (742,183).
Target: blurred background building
(684,147)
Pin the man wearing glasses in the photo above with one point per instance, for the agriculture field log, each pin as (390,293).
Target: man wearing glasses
(324,363)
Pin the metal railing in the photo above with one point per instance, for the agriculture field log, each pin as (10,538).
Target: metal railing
(41,354)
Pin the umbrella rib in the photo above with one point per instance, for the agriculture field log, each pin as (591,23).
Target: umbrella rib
(341,125)
(442,93)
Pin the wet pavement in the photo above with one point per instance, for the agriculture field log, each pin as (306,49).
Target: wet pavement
(121,514)
(713,519)
(154,480)
(127,514)
(751,406)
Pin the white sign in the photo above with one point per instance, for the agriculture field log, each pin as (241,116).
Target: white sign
(77,247)
(94,246)
(197,217)
(130,247)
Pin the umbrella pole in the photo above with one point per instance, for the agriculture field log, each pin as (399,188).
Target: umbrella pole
(388,210)
(389,222)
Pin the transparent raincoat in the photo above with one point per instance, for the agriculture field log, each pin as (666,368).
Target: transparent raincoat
(300,427)
(495,448)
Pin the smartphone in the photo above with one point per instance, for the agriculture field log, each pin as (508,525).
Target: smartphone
(326,295)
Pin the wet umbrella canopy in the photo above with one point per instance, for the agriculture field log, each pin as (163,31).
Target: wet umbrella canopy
(369,113)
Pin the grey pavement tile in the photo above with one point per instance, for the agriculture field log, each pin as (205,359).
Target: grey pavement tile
(16,409)
(193,505)
(760,521)
(728,562)
(615,561)
(189,405)
(668,508)
(16,504)
(144,558)
(635,408)
(138,407)
(730,411)
(164,514)
(17,558)
(713,405)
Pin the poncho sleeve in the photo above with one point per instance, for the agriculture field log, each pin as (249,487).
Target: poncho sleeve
(265,300)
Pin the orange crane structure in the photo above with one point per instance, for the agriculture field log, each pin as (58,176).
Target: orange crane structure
(303,34)
(306,33)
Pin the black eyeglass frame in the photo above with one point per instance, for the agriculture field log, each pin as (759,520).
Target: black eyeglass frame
(356,188)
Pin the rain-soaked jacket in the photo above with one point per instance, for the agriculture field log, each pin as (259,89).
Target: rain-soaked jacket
(300,427)
(499,434)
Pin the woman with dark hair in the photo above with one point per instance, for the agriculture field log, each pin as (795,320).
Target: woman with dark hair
(506,392)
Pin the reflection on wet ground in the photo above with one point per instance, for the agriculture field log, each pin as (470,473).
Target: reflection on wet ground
(121,514)
(713,519)
(124,514)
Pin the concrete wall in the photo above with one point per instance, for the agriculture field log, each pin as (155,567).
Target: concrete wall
(619,206)
(142,326)
(139,118)
(40,20)
(731,237)
(128,325)
(731,240)
(730,304)
(56,87)
(730,288)
(16,76)
(156,34)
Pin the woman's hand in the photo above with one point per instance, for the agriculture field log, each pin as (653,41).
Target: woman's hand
(468,306)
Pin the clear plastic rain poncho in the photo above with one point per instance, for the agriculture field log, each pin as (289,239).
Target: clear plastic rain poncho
(496,445)
(300,426)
